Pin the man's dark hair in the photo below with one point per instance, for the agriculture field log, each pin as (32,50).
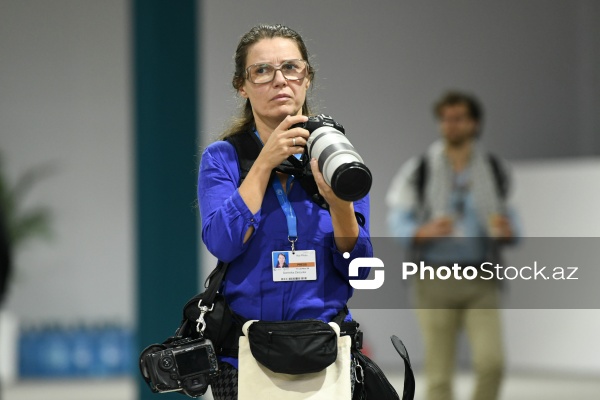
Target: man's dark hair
(453,98)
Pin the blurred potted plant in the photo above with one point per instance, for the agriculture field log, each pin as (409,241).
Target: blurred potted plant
(23,225)
(19,226)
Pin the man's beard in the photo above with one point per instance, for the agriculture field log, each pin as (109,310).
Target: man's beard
(459,141)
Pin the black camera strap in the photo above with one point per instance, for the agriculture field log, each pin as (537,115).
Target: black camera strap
(248,147)
(214,279)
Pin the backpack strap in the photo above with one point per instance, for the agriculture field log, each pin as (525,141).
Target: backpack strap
(500,177)
(421,179)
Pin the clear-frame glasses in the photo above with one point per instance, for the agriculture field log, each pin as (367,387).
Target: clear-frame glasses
(292,70)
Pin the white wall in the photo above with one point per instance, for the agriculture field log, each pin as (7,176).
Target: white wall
(64,84)
(557,199)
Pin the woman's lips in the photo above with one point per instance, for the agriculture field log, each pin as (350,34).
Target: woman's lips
(281,97)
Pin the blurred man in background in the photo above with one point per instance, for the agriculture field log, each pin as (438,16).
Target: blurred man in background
(449,206)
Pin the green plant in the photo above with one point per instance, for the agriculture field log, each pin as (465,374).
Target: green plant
(22,224)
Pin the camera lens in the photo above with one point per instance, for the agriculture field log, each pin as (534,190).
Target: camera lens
(352,181)
(341,166)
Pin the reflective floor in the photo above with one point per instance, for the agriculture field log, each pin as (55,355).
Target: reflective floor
(516,387)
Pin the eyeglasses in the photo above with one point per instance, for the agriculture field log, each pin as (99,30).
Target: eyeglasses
(292,70)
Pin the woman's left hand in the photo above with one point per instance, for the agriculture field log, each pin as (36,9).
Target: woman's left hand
(324,189)
(345,226)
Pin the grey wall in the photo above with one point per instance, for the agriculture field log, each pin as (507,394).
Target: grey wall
(380,65)
(64,100)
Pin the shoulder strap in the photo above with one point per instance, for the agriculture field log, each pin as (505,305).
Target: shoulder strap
(248,146)
(500,176)
(421,179)
(214,280)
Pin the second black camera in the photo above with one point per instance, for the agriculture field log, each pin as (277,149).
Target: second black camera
(186,366)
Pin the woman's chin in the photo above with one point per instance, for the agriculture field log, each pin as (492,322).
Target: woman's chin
(285,110)
(276,115)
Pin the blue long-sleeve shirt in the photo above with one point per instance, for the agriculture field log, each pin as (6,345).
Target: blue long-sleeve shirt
(249,287)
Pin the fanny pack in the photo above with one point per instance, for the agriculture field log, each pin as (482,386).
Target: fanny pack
(295,347)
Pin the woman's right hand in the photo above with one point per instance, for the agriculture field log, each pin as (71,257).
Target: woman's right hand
(278,147)
(284,142)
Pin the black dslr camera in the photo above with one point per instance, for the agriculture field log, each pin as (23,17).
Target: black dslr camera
(341,165)
(184,365)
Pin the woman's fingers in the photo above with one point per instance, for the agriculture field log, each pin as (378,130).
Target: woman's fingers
(321,184)
(286,125)
(285,140)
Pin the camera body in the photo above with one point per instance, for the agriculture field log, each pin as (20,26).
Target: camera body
(341,165)
(318,121)
(186,365)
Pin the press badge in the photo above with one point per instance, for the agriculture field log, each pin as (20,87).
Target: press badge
(300,265)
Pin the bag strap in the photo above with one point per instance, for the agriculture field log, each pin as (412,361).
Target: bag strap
(213,283)
(206,303)
(409,376)
(341,316)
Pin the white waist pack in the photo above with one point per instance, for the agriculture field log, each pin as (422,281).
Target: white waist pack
(256,381)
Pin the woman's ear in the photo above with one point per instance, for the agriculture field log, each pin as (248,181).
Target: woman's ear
(242,92)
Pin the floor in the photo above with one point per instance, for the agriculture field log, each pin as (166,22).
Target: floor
(516,387)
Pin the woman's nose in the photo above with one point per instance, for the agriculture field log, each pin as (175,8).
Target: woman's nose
(279,79)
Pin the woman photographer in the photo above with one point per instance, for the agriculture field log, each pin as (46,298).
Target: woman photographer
(270,211)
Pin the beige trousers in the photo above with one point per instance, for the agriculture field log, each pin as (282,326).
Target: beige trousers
(444,309)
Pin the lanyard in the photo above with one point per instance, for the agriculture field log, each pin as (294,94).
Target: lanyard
(286,206)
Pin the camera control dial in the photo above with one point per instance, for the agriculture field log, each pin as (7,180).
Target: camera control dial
(166,363)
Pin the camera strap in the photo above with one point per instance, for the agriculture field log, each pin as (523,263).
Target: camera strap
(247,146)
